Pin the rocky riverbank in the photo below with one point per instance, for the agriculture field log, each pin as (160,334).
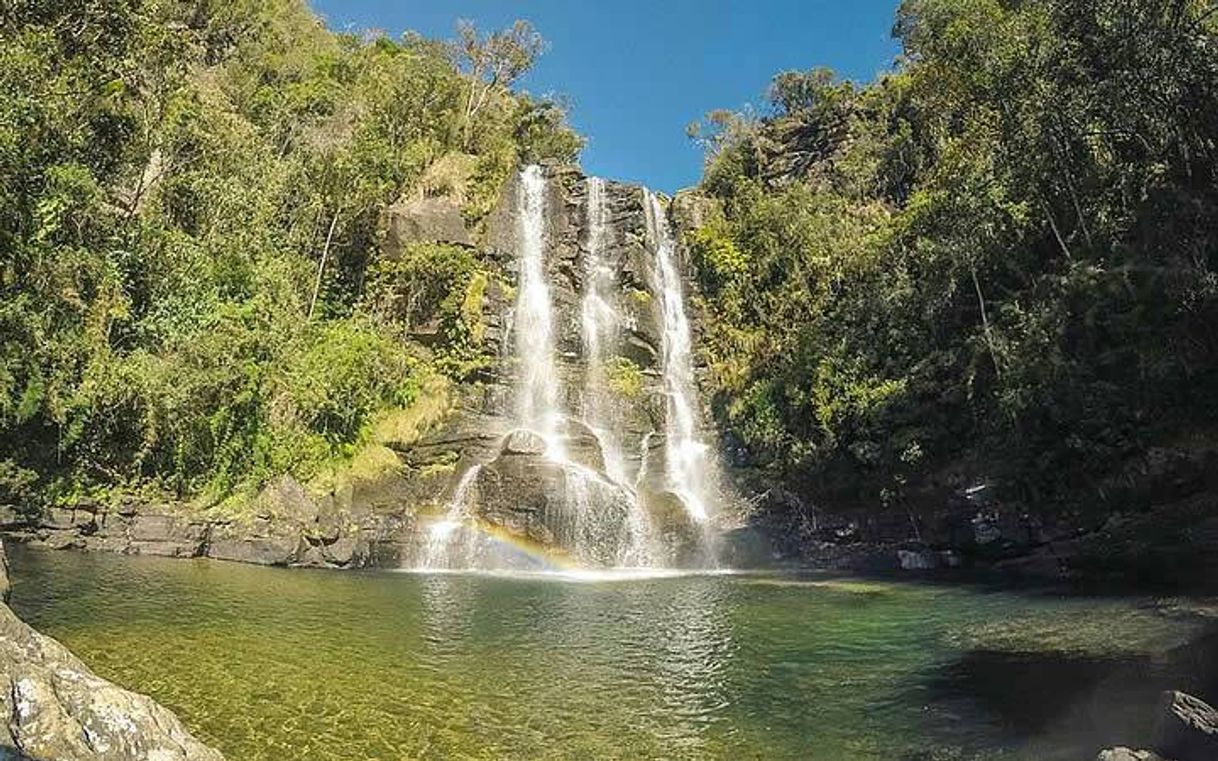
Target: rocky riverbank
(285,528)
(1186,729)
(1153,524)
(53,708)
(383,526)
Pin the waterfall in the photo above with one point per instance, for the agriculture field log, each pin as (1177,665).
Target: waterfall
(560,477)
(688,469)
(600,323)
(537,394)
(441,533)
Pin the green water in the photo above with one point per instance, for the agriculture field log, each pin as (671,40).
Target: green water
(278,665)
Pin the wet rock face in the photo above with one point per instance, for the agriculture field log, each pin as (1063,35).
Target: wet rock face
(52,708)
(535,498)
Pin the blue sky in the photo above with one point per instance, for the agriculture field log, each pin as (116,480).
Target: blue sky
(636,72)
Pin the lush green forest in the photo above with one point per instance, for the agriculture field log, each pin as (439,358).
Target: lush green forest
(1001,257)
(191,204)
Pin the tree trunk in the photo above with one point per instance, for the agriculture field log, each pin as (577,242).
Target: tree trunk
(321,267)
(985,321)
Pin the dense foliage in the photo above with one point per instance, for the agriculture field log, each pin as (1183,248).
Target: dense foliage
(1001,257)
(192,198)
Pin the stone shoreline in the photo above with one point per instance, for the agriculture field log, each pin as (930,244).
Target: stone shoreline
(339,542)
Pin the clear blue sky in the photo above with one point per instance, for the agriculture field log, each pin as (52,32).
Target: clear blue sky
(638,71)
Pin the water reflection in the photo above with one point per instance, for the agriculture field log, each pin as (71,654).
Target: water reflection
(446,620)
(666,664)
(354,667)
(695,646)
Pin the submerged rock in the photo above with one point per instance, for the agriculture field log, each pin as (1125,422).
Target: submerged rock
(1186,728)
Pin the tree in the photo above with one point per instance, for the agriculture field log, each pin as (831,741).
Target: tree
(492,62)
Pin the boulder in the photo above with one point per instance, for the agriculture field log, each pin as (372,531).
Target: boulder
(345,551)
(564,506)
(1125,754)
(64,540)
(523,442)
(269,550)
(917,560)
(425,220)
(1186,728)
(53,708)
(58,518)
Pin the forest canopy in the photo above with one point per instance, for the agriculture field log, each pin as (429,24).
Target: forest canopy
(1000,257)
(997,259)
(192,198)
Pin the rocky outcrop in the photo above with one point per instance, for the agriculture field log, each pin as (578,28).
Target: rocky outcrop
(53,708)
(1126,754)
(1186,728)
(425,220)
(692,209)
(286,527)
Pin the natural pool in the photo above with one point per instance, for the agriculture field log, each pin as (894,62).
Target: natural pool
(279,665)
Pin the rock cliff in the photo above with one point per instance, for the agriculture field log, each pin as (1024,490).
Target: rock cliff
(614,429)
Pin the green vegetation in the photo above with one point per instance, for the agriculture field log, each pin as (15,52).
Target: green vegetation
(1001,257)
(624,377)
(192,201)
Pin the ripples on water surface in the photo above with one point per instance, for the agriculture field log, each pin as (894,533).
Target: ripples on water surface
(272,665)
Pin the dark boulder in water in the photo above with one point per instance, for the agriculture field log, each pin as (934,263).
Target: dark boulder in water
(1186,728)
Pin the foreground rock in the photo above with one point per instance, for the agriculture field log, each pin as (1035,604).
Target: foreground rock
(1186,728)
(1125,754)
(52,708)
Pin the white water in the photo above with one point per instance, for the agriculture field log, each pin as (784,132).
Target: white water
(600,323)
(686,457)
(440,534)
(598,514)
(537,394)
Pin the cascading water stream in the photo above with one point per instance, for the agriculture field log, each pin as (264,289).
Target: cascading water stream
(688,467)
(564,478)
(601,324)
(441,533)
(538,392)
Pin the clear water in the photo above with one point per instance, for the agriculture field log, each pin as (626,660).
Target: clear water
(272,665)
